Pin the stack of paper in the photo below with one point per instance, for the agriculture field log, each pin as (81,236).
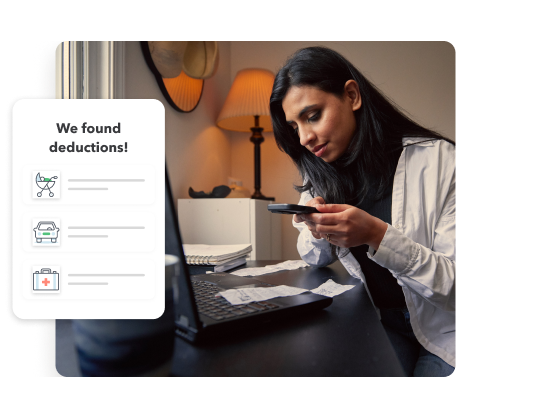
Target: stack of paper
(212,255)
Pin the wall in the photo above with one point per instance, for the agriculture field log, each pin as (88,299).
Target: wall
(418,76)
(197,152)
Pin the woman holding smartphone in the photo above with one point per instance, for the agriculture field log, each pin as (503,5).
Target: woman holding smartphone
(385,187)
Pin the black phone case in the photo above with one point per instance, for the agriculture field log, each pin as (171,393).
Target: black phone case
(290,209)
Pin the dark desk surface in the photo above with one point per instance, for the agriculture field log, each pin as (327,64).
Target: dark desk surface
(345,339)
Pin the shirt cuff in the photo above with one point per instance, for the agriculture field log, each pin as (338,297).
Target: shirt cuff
(396,251)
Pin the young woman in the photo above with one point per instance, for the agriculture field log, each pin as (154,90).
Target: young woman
(385,187)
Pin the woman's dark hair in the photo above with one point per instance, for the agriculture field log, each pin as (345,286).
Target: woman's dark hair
(368,164)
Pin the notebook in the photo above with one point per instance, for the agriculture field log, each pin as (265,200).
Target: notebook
(200,315)
(218,268)
(211,255)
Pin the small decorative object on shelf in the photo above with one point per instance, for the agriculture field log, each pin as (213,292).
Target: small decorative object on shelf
(219,192)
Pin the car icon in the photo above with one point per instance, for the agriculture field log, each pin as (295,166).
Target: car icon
(46,230)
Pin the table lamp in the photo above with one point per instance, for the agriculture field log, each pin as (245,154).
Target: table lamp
(248,103)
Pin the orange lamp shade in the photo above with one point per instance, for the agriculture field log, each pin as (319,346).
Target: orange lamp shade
(249,96)
(184,91)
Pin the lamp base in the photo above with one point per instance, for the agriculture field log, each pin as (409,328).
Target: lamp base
(260,196)
(257,139)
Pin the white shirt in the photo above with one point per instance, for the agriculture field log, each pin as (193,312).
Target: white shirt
(419,247)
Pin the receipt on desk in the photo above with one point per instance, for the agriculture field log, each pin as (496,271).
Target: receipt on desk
(259,271)
(258,294)
(331,289)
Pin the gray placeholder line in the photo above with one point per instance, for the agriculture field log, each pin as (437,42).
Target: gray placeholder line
(87,188)
(105,275)
(87,236)
(109,180)
(106,227)
(87,283)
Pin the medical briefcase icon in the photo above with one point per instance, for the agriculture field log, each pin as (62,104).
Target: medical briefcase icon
(46,281)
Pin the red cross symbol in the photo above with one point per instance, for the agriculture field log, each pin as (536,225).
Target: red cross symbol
(46,281)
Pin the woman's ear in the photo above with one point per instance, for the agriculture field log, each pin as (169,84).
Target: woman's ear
(352,93)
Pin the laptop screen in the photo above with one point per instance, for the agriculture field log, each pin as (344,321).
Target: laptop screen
(186,312)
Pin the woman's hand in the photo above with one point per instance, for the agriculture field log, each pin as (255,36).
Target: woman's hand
(311,226)
(345,226)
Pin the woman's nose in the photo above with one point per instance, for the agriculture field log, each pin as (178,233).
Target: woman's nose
(307,136)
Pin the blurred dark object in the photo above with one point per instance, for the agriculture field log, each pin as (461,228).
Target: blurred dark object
(129,347)
(219,192)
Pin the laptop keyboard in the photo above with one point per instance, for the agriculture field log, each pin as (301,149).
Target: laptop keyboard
(218,308)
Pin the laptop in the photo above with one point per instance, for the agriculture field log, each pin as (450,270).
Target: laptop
(200,315)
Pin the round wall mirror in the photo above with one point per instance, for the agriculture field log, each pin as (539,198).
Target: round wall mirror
(181,91)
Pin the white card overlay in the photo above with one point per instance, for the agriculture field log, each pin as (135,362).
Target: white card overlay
(88,209)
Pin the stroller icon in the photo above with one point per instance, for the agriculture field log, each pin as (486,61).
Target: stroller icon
(45,184)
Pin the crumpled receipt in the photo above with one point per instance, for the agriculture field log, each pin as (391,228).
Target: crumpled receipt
(259,271)
(258,294)
(330,288)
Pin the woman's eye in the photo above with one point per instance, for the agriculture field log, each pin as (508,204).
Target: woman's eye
(314,117)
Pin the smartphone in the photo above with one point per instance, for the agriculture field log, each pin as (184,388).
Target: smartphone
(291,209)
